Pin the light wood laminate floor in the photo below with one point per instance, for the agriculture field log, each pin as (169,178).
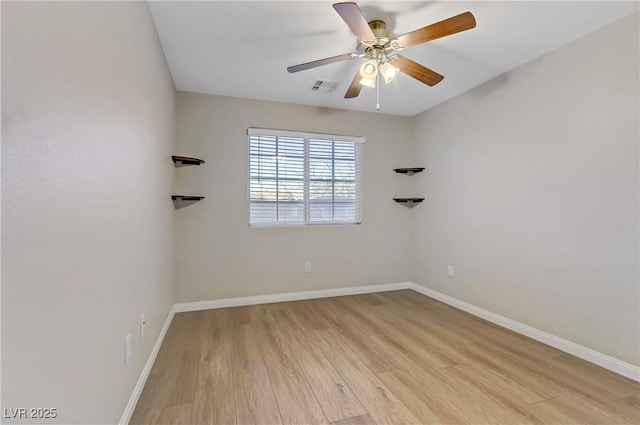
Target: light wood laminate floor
(387,358)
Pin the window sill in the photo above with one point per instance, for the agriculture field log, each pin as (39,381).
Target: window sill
(286,225)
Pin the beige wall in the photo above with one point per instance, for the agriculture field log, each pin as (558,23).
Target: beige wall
(532,193)
(87,221)
(219,256)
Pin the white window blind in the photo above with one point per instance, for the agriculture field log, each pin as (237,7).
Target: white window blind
(304,178)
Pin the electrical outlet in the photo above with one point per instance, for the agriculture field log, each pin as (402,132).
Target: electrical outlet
(127,348)
(450,271)
(143,325)
(307,266)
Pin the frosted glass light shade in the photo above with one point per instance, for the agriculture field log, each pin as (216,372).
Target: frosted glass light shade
(388,72)
(369,71)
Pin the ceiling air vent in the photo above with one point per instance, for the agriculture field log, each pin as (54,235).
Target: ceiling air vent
(325,86)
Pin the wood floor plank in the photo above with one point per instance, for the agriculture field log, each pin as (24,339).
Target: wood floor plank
(391,343)
(177,414)
(432,324)
(563,379)
(307,315)
(337,310)
(239,316)
(144,402)
(170,343)
(184,389)
(334,395)
(404,297)
(568,409)
(214,406)
(382,405)
(513,370)
(372,299)
(479,373)
(356,420)
(434,329)
(215,362)
(502,402)
(439,399)
(584,371)
(475,403)
(384,358)
(357,333)
(476,329)
(424,409)
(255,400)
(296,400)
(627,408)
(177,373)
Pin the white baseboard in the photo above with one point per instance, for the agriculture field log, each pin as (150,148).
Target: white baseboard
(607,362)
(133,400)
(289,296)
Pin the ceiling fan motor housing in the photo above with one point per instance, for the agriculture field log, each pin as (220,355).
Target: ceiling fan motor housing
(383,35)
(383,45)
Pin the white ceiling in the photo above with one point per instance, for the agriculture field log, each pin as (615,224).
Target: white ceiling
(242,49)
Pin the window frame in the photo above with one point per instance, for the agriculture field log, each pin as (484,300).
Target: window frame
(358,141)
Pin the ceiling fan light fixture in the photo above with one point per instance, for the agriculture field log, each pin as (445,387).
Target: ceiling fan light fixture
(368,82)
(369,69)
(369,72)
(388,72)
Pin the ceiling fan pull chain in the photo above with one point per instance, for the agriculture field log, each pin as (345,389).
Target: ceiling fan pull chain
(378,91)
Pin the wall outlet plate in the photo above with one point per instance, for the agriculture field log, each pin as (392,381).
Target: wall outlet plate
(143,325)
(450,271)
(127,348)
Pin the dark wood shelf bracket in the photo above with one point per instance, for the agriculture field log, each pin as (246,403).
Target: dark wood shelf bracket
(186,198)
(181,201)
(409,171)
(408,202)
(181,161)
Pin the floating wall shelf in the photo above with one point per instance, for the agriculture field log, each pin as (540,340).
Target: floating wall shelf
(185,160)
(408,202)
(181,201)
(186,198)
(409,171)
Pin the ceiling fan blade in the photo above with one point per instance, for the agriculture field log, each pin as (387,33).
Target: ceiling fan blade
(352,16)
(354,88)
(325,61)
(449,26)
(417,71)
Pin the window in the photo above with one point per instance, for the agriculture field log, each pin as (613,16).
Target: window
(304,178)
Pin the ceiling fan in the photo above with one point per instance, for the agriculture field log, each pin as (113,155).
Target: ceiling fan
(379,46)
